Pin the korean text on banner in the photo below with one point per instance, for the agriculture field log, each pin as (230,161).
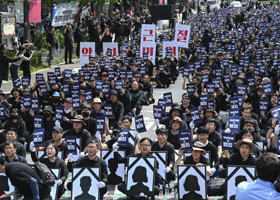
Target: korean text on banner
(182,35)
(150,49)
(110,45)
(170,45)
(34,11)
(64,13)
(148,33)
(87,50)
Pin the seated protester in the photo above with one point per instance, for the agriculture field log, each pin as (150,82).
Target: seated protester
(249,134)
(209,113)
(91,160)
(4,103)
(57,134)
(12,136)
(118,109)
(136,97)
(214,136)
(92,86)
(248,103)
(79,132)
(163,145)
(173,133)
(25,179)
(10,152)
(55,100)
(14,101)
(196,158)
(82,98)
(48,122)
(246,114)
(90,121)
(137,77)
(96,105)
(68,114)
(186,106)
(202,135)
(243,157)
(16,122)
(52,161)
(126,124)
(250,124)
(148,87)
(173,69)
(174,112)
(164,78)
(125,98)
(268,169)
(144,145)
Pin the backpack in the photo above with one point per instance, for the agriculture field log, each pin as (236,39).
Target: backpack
(47,177)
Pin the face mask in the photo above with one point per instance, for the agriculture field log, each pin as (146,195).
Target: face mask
(85,114)
(14,116)
(47,115)
(55,100)
(66,111)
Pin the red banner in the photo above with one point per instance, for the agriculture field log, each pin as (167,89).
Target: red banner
(34,11)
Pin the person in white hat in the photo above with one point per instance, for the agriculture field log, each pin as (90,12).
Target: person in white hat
(197,158)
(243,157)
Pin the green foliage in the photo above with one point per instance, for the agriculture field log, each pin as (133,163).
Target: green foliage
(58,36)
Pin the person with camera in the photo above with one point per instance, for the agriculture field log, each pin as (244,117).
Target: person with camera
(51,44)
(69,42)
(4,63)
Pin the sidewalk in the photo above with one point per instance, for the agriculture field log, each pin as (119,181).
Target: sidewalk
(8,86)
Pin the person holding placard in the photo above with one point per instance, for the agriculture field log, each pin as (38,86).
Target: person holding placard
(196,158)
(145,145)
(203,135)
(79,132)
(243,157)
(126,123)
(48,122)
(163,145)
(52,161)
(91,160)
(173,133)
(118,109)
(268,169)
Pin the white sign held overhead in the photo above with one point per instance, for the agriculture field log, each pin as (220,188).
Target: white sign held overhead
(182,35)
(87,50)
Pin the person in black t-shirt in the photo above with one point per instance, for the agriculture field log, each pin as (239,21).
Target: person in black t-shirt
(25,179)
(51,44)
(69,42)
(196,158)
(90,121)
(214,136)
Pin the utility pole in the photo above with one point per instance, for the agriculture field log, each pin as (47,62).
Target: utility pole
(26,20)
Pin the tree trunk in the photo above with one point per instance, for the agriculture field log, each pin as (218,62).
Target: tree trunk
(111,9)
(98,8)
(137,6)
(121,6)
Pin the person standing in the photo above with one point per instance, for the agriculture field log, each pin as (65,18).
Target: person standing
(4,63)
(69,42)
(51,45)
(25,65)
(15,65)
(79,37)
(97,39)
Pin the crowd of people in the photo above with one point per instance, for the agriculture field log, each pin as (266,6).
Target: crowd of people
(232,62)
